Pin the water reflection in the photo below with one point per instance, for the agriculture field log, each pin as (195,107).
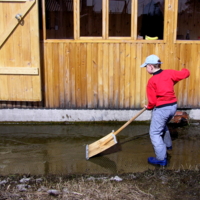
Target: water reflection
(60,149)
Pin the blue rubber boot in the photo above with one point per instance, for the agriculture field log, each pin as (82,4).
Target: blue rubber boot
(169,148)
(154,161)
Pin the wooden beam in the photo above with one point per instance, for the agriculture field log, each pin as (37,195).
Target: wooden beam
(105,15)
(134,18)
(14,21)
(175,20)
(12,0)
(44,20)
(19,70)
(76,7)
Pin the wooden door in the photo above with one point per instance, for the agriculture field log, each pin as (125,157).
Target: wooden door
(20,76)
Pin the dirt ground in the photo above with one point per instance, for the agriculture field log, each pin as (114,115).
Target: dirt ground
(152,184)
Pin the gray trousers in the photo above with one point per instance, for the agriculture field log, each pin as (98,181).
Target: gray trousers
(159,132)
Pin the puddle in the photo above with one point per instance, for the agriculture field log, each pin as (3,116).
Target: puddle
(60,149)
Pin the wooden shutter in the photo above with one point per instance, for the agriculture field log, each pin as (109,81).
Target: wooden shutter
(20,76)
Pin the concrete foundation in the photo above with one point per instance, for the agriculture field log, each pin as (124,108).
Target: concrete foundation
(61,115)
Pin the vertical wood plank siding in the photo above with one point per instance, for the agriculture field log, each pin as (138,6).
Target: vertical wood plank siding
(108,75)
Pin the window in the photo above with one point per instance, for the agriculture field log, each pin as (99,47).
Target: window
(91,18)
(120,18)
(150,19)
(102,19)
(59,19)
(188,20)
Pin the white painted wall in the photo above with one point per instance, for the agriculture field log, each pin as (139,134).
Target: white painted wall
(58,115)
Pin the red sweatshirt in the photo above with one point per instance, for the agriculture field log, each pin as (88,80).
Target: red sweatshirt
(160,87)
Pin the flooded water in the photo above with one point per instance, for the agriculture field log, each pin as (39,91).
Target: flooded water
(61,149)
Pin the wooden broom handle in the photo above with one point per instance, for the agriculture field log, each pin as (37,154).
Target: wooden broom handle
(128,122)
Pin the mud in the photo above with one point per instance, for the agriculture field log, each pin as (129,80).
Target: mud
(60,149)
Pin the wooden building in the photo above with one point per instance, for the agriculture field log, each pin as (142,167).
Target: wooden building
(86,54)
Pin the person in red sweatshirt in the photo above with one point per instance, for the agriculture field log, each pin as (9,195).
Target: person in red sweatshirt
(163,103)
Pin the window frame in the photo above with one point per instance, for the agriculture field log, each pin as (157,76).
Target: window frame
(175,28)
(105,25)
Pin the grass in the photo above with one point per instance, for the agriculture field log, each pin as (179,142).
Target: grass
(151,184)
